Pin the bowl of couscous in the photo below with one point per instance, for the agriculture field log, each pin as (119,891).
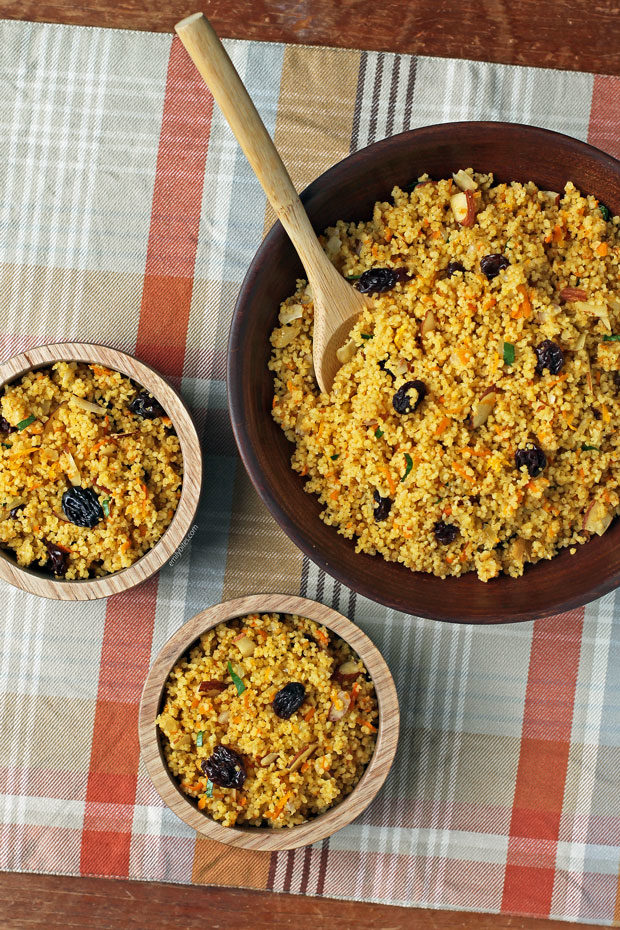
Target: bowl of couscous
(464,466)
(100,471)
(268,722)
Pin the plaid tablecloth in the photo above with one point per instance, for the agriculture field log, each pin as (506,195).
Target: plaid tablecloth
(129,216)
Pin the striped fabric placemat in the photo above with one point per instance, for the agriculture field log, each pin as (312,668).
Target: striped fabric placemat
(129,216)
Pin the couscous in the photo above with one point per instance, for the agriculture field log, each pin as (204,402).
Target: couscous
(473,423)
(90,470)
(269,720)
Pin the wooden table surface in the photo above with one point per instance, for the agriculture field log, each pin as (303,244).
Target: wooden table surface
(581,35)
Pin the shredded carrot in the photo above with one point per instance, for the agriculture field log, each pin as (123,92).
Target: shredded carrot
(605,412)
(100,371)
(322,636)
(125,546)
(304,471)
(557,234)
(320,430)
(335,493)
(526,304)
(463,555)
(305,766)
(449,559)
(569,421)
(310,714)
(236,719)
(325,763)
(243,801)
(366,723)
(195,702)
(557,381)
(290,366)
(447,511)
(582,474)
(406,534)
(289,386)
(602,249)
(390,480)
(460,470)
(274,402)
(202,803)
(444,423)
(278,810)
(388,234)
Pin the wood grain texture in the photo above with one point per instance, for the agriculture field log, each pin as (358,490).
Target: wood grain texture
(336,304)
(57,903)
(36,582)
(572,34)
(256,838)
(349,190)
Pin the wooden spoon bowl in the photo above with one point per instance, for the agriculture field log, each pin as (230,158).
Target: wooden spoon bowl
(265,838)
(349,191)
(36,581)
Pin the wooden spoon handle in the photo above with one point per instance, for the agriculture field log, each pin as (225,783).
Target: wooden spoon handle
(219,73)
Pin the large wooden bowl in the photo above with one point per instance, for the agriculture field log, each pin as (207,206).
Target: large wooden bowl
(257,837)
(348,191)
(38,582)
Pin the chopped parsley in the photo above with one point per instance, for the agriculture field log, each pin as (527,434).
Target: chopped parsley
(24,423)
(378,432)
(199,736)
(334,457)
(366,335)
(409,462)
(353,277)
(509,353)
(605,212)
(615,338)
(236,680)
(105,506)
(587,448)
(7,445)
(209,791)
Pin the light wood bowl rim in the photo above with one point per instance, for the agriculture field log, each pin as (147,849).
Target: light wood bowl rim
(265,838)
(35,582)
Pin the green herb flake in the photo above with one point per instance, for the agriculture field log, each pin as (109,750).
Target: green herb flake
(615,338)
(105,506)
(236,680)
(366,335)
(586,448)
(334,457)
(26,422)
(409,462)
(378,432)
(605,212)
(199,736)
(509,353)
(353,277)
(209,791)
(7,445)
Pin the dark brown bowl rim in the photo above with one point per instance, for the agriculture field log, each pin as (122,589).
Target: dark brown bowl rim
(234,381)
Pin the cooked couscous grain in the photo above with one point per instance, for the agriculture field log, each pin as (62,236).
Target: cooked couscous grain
(473,424)
(269,720)
(90,470)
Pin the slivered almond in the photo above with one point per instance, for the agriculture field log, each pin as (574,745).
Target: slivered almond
(464,181)
(464,207)
(570,294)
(301,757)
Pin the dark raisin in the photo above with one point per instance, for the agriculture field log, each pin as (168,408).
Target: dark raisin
(383,366)
(289,699)
(451,267)
(13,513)
(5,426)
(549,356)
(402,275)
(58,560)
(81,506)
(377,280)
(144,405)
(597,414)
(383,505)
(408,397)
(491,265)
(224,767)
(533,457)
(445,533)
(617,380)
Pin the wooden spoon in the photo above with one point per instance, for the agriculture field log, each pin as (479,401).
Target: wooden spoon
(336,304)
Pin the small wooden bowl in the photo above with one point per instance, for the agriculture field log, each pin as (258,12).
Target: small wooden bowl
(259,838)
(36,582)
(348,191)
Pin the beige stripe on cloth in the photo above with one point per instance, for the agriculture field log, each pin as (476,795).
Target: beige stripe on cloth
(260,556)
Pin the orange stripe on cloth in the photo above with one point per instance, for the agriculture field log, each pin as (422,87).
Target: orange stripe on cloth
(162,332)
(175,217)
(543,761)
(603,129)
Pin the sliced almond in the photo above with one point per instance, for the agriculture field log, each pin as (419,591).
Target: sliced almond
(483,408)
(211,687)
(284,335)
(246,646)
(597,518)
(519,550)
(268,759)
(569,294)
(592,309)
(87,405)
(301,757)
(290,313)
(339,707)
(223,717)
(464,181)
(464,207)
(429,323)
(72,471)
